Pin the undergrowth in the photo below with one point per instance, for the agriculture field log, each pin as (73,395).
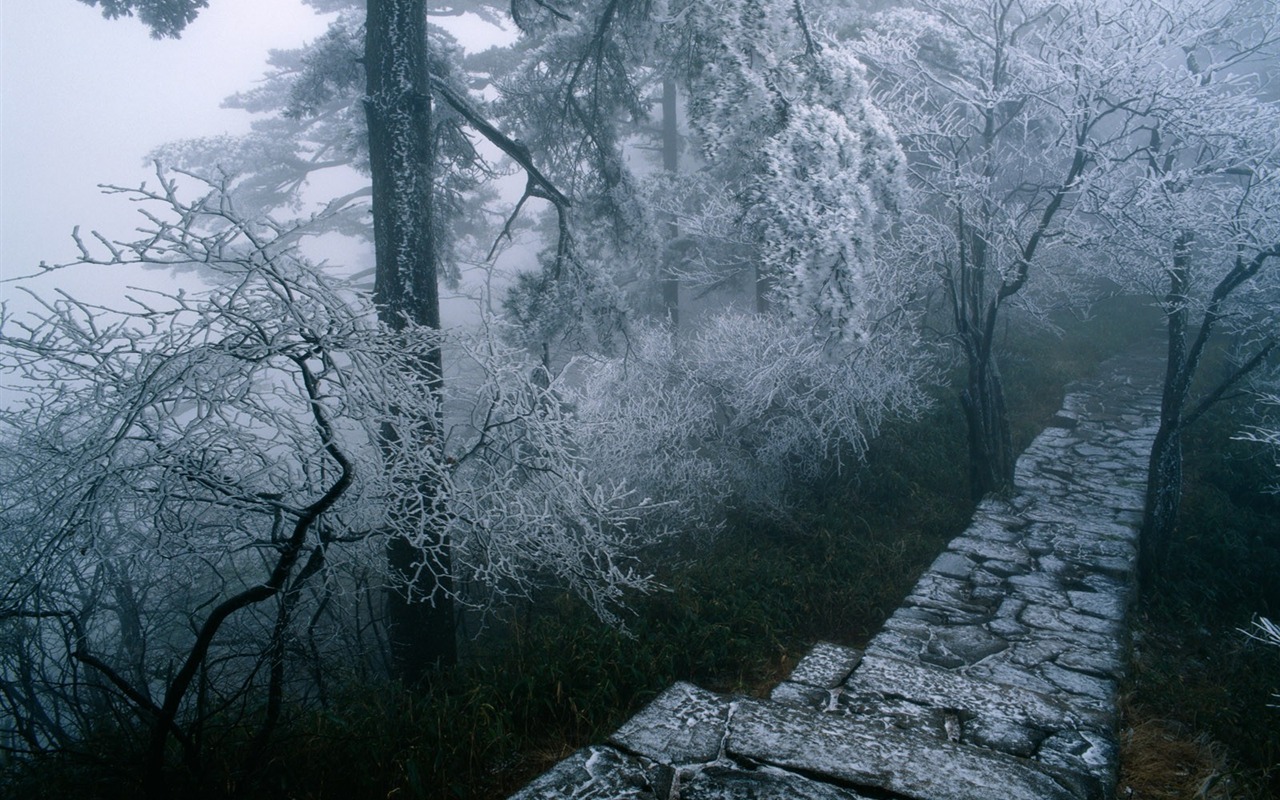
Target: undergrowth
(737,614)
(1198,683)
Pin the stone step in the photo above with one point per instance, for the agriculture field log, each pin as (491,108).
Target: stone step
(687,729)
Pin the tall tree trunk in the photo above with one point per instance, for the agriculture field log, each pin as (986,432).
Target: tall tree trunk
(991,456)
(1163,500)
(671,163)
(1164,474)
(420,618)
(975,309)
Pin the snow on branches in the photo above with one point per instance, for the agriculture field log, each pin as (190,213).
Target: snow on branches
(786,121)
(221,456)
(746,413)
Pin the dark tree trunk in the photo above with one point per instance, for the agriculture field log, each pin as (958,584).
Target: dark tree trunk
(1163,499)
(1177,412)
(420,618)
(671,163)
(1164,475)
(991,456)
(976,308)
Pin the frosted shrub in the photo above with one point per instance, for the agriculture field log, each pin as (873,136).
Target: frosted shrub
(743,414)
(200,488)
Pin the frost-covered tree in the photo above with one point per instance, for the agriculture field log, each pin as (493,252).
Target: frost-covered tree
(163,17)
(786,123)
(747,412)
(200,490)
(576,97)
(398,100)
(999,124)
(1034,128)
(1189,210)
(801,171)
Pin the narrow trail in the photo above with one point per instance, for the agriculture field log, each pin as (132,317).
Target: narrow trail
(996,679)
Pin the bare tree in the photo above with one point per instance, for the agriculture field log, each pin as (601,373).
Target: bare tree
(200,486)
(999,131)
(1187,203)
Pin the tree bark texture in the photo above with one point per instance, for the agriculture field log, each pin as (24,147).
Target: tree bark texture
(669,280)
(991,456)
(1164,475)
(975,308)
(420,612)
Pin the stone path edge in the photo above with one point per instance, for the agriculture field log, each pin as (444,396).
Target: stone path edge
(995,678)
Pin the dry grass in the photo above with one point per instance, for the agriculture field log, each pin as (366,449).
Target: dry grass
(1196,720)
(1162,759)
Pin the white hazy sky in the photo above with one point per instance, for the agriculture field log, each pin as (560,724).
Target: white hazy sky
(83,99)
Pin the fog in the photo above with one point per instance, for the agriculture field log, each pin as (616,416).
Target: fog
(789,310)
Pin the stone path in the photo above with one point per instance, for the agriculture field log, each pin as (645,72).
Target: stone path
(995,680)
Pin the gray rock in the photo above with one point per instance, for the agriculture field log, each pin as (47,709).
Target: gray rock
(1037,651)
(1086,751)
(961,645)
(953,565)
(765,783)
(1101,663)
(887,712)
(826,665)
(1078,683)
(850,751)
(942,688)
(1007,737)
(683,725)
(594,773)
(799,694)
(1103,605)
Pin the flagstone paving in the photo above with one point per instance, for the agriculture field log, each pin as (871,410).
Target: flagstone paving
(995,679)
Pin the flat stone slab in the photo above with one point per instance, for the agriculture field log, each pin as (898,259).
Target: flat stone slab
(683,725)
(593,773)
(941,688)
(765,783)
(826,665)
(858,752)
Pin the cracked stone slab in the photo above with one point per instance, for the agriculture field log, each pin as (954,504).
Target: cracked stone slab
(1103,664)
(802,695)
(1047,618)
(826,665)
(985,549)
(953,598)
(1007,737)
(1078,683)
(1104,605)
(946,689)
(893,713)
(765,783)
(593,773)
(1086,751)
(1007,674)
(683,725)
(961,645)
(858,754)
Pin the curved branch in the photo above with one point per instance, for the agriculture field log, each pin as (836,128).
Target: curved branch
(513,148)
